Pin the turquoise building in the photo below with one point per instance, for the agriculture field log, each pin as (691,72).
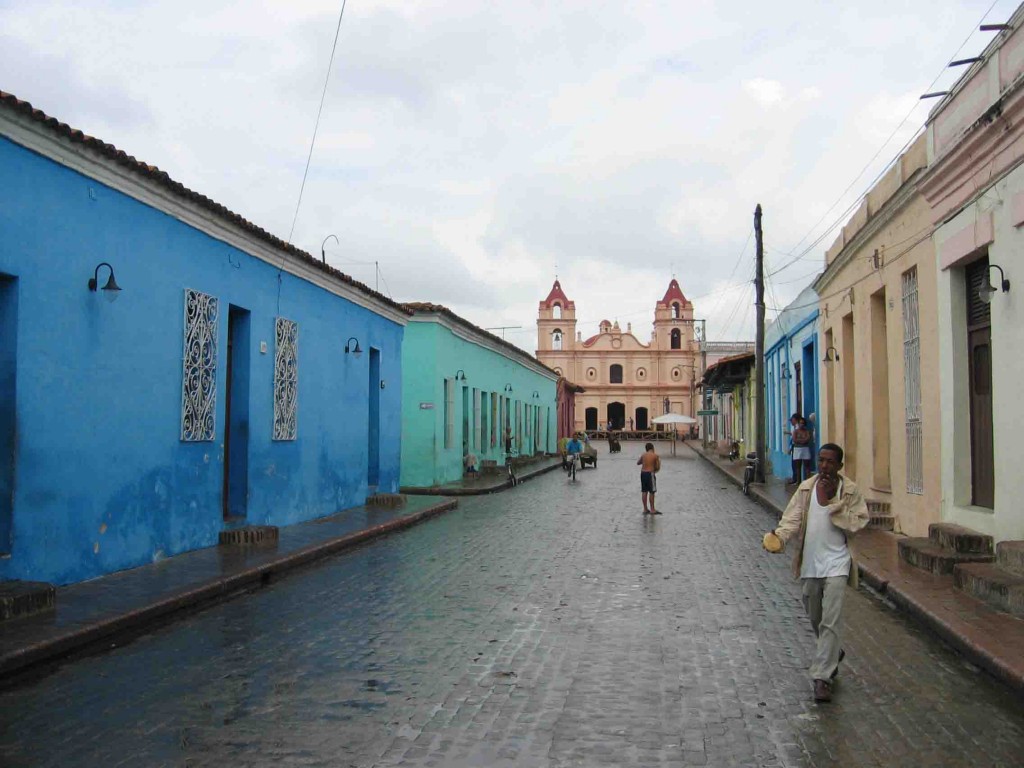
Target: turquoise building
(464,390)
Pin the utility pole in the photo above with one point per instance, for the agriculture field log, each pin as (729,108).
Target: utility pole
(759,420)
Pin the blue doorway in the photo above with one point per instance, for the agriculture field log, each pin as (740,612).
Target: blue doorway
(373,440)
(236,417)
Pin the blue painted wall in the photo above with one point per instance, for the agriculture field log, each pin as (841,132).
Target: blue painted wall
(431,353)
(792,338)
(102,480)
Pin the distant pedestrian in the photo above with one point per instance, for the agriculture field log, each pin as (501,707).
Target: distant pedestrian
(823,514)
(794,422)
(801,451)
(508,440)
(630,423)
(469,463)
(650,464)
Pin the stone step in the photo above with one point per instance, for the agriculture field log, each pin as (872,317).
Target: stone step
(25,598)
(1010,556)
(1000,588)
(881,522)
(390,500)
(925,554)
(960,539)
(249,534)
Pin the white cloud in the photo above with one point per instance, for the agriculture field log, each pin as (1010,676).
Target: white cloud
(765,92)
(470,147)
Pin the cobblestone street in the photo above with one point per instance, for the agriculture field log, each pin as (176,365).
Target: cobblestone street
(550,625)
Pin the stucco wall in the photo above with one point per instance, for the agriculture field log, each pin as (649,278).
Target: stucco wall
(1002,205)
(903,243)
(432,353)
(792,338)
(102,479)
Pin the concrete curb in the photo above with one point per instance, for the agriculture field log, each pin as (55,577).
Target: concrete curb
(78,638)
(505,484)
(970,650)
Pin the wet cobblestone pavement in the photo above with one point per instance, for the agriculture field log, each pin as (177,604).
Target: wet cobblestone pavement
(550,625)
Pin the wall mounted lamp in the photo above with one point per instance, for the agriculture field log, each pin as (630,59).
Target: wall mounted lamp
(111,289)
(508,387)
(785,374)
(985,293)
(535,395)
(460,375)
(323,255)
(352,345)
(382,384)
(831,355)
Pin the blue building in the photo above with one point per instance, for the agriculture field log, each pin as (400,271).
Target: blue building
(235,381)
(791,377)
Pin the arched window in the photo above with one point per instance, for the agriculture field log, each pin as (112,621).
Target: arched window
(675,309)
(556,311)
(676,339)
(615,374)
(556,339)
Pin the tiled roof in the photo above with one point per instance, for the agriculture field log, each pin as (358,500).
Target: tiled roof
(425,306)
(154,174)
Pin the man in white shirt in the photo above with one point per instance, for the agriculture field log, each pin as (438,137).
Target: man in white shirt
(824,513)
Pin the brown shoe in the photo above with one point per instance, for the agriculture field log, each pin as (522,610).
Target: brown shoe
(822,690)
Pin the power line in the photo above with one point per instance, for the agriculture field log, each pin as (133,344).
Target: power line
(316,125)
(885,169)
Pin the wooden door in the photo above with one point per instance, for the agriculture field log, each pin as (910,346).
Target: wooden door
(979,362)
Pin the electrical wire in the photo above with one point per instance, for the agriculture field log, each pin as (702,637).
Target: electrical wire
(803,254)
(868,276)
(316,126)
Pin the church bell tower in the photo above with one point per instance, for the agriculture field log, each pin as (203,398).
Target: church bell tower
(556,322)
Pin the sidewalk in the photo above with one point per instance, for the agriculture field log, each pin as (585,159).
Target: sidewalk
(482,482)
(986,637)
(102,609)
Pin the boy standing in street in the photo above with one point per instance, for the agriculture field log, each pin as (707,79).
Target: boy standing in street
(824,513)
(650,464)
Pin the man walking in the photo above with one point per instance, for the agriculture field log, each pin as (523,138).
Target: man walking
(650,464)
(824,513)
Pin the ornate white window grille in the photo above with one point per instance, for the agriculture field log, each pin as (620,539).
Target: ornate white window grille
(286,379)
(199,368)
(912,383)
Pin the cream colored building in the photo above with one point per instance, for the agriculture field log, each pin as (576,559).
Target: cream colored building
(880,348)
(975,188)
(628,382)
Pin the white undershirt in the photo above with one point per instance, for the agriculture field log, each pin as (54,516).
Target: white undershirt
(825,552)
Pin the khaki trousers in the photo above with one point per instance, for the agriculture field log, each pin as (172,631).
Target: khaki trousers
(823,601)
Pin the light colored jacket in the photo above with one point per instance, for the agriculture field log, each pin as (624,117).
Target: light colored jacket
(848,513)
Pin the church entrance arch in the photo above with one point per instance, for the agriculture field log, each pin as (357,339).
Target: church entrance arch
(592,418)
(616,415)
(641,418)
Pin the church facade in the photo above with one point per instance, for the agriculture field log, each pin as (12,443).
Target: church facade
(627,381)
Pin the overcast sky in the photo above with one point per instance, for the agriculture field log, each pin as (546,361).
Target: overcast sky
(473,147)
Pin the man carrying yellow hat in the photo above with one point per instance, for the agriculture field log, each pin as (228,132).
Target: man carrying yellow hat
(824,513)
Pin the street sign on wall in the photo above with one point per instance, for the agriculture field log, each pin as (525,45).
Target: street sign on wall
(707,413)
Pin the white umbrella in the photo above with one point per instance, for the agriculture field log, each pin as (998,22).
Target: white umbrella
(673,418)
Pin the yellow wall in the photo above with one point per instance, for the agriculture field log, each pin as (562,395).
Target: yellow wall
(862,309)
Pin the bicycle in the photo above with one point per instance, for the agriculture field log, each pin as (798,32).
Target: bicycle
(749,472)
(574,461)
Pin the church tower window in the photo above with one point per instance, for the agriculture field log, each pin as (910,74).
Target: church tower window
(615,374)
(556,339)
(676,336)
(675,309)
